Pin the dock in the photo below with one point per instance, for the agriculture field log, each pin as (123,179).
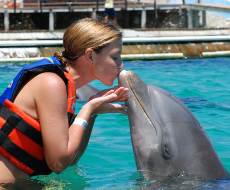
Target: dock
(137,44)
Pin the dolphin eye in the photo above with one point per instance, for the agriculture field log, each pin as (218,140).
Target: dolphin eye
(166,153)
(167,146)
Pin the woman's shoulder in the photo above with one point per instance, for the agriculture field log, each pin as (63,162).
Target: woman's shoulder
(49,91)
(49,82)
(49,79)
(42,89)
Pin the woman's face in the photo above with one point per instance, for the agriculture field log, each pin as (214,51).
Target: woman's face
(108,63)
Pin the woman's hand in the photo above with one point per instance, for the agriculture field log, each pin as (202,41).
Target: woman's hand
(101,102)
(119,91)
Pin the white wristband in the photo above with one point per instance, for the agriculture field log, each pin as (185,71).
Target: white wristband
(81,122)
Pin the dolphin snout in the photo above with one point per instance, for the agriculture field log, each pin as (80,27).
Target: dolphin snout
(122,78)
(122,73)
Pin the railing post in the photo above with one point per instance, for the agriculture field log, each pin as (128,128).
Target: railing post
(190,22)
(40,3)
(93,14)
(143,18)
(51,20)
(69,6)
(6,21)
(203,18)
(126,14)
(155,9)
(196,18)
(97,5)
(14,6)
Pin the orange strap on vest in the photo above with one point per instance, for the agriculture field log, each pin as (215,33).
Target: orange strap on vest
(20,140)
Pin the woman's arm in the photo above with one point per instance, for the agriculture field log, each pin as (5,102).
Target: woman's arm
(119,91)
(61,142)
(84,141)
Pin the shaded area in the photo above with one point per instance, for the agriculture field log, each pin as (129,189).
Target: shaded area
(126,19)
(1,21)
(26,21)
(63,20)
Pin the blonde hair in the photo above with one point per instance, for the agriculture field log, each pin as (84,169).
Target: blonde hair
(87,33)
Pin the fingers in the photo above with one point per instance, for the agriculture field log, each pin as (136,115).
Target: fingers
(110,97)
(117,108)
(108,93)
(120,91)
(121,96)
(121,111)
(101,92)
(115,88)
(101,103)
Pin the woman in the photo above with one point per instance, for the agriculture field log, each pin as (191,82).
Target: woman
(39,132)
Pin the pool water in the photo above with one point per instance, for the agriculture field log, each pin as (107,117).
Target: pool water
(108,163)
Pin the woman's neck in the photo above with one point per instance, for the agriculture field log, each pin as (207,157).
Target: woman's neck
(80,72)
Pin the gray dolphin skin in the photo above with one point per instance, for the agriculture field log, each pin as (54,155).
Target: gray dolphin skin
(167,138)
(85,92)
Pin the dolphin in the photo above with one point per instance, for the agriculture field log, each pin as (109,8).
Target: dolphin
(85,92)
(167,138)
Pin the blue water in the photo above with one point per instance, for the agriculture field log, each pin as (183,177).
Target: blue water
(108,163)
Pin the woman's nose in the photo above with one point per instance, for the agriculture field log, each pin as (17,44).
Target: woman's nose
(121,65)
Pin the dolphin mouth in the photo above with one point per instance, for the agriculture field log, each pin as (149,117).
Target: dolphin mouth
(127,79)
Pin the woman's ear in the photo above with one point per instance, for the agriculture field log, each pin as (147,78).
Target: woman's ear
(89,55)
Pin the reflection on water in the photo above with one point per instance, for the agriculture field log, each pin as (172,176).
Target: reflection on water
(19,52)
(182,182)
(23,184)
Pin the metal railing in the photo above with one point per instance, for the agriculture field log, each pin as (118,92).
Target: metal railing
(39,4)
